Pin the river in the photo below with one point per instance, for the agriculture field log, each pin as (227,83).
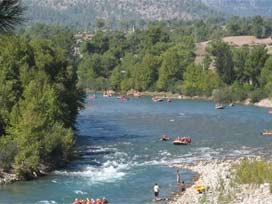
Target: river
(122,156)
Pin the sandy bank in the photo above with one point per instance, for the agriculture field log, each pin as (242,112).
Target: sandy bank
(267,103)
(217,176)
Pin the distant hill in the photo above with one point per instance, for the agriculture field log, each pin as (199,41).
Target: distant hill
(242,7)
(83,13)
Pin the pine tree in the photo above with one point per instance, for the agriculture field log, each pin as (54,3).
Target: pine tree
(11,14)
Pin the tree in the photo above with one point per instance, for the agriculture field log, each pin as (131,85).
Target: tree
(234,26)
(116,78)
(240,56)
(223,61)
(201,31)
(35,129)
(11,14)
(146,72)
(16,60)
(155,34)
(99,44)
(266,76)
(198,81)
(100,23)
(174,62)
(258,27)
(254,64)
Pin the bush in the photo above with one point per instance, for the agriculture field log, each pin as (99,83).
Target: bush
(257,95)
(223,95)
(239,92)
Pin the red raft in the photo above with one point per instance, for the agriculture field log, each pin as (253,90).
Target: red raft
(182,141)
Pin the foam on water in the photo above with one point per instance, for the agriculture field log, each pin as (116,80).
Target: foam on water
(110,171)
(165,153)
(79,192)
(47,202)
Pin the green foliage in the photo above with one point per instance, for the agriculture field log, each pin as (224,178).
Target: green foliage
(99,43)
(253,172)
(8,150)
(156,59)
(12,57)
(198,82)
(146,73)
(174,62)
(254,64)
(257,95)
(223,61)
(155,34)
(100,23)
(257,26)
(240,57)
(240,92)
(58,35)
(223,95)
(207,62)
(39,103)
(266,77)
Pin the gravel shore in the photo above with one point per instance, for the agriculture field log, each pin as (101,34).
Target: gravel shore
(217,176)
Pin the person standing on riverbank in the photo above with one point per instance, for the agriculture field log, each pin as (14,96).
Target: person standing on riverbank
(182,187)
(178,177)
(156,190)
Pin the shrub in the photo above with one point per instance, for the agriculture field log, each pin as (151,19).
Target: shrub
(223,95)
(257,95)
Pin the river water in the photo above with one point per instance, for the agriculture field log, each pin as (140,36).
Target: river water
(122,156)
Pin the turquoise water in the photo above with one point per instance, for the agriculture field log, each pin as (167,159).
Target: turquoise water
(122,156)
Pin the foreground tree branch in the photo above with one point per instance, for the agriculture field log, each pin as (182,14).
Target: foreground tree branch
(11,14)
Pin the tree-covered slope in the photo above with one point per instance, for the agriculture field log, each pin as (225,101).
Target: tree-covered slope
(242,7)
(85,12)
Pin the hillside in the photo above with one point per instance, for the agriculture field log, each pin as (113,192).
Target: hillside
(234,41)
(241,7)
(85,12)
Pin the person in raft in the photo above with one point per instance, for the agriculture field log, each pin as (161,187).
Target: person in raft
(156,190)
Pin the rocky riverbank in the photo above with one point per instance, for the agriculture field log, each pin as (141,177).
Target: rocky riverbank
(6,178)
(217,177)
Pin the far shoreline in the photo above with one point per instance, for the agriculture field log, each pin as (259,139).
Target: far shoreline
(263,103)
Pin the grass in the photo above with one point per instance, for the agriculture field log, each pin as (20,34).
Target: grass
(223,197)
(253,172)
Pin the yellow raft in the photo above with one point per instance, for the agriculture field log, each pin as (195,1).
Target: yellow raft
(200,188)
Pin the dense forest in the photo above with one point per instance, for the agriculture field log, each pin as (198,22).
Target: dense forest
(162,58)
(38,96)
